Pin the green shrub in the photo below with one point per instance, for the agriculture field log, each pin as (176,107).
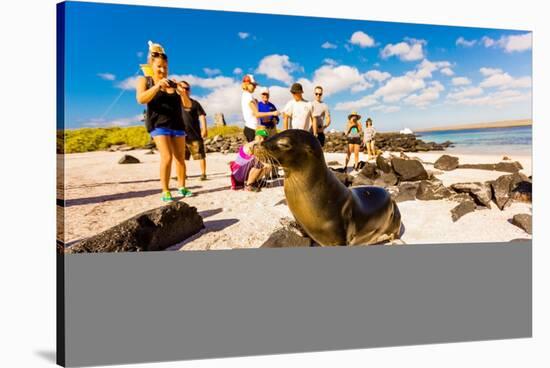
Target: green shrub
(227,130)
(95,139)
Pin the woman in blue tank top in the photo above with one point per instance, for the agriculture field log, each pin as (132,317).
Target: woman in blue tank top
(164,120)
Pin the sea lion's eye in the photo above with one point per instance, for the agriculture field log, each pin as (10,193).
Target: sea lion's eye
(284,144)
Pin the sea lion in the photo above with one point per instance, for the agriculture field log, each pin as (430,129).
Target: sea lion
(329,212)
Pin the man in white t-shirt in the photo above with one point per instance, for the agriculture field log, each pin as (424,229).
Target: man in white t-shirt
(299,111)
(321,114)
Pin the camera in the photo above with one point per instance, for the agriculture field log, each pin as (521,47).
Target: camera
(172,84)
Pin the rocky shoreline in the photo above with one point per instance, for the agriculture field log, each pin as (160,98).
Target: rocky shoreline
(335,142)
(407,179)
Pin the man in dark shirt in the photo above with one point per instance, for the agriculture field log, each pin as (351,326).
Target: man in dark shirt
(194,119)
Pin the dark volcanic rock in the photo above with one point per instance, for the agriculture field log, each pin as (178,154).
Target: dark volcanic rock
(462,209)
(480,192)
(361,180)
(153,230)
(406,191)
(523,221)
(386,180)
(431,191)
(369,171)
(383,164)
(446,163)
(409,170)
(286,238)
(510,167)
(505,185)
(343,177)
(478,166)
(523,192)
(460,197)
(128,159)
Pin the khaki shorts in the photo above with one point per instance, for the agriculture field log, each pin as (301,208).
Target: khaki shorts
(196,149)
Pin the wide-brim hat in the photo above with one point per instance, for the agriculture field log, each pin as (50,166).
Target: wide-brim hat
(354,113)
(296,88)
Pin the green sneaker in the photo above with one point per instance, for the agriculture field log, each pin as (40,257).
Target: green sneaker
(185,192)
(167,197)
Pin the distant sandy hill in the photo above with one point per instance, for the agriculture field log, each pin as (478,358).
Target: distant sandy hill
(496,124)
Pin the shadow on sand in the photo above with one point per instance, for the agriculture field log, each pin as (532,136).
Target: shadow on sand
(209,227)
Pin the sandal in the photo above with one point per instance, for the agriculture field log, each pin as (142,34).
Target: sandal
(166,197)
(184,192)
(251,188)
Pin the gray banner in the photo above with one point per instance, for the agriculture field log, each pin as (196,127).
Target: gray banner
(129,308)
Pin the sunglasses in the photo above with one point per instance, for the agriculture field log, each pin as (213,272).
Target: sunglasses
(186,88)
(318,94)
(160,55)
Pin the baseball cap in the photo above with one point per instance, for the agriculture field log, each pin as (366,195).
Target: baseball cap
(249,78)
(264,90)
(262,133)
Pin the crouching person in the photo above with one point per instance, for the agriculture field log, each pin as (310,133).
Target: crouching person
(246,169)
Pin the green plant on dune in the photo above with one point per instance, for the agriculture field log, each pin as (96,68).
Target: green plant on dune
(96,139)
(226,130)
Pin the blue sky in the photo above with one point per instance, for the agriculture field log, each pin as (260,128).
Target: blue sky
(401,75)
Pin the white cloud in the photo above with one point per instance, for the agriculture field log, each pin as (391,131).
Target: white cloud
(224,99)
(489,71)
(410,51)
(328,45)
(514,43)
(488,41)
(398,87)
(362,39)
(211,72)
(208,83)
(504,81)
(377,75)
(426,96)
(237,71)
(426,67)
(461,41)
(102,123)
(128,83)
(335,79)
(363,102)
(330,62)
(106,76)
(243,35)
(386,108)
(277,67)
(461,81)
(496,99)
(459,94)
(517,43)
(447,71)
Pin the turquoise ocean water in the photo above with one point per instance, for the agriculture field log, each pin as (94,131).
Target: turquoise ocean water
(513,140)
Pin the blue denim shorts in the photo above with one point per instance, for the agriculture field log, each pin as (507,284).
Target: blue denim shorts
(168,132)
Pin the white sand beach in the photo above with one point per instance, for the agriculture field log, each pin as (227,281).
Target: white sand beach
(100,193)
